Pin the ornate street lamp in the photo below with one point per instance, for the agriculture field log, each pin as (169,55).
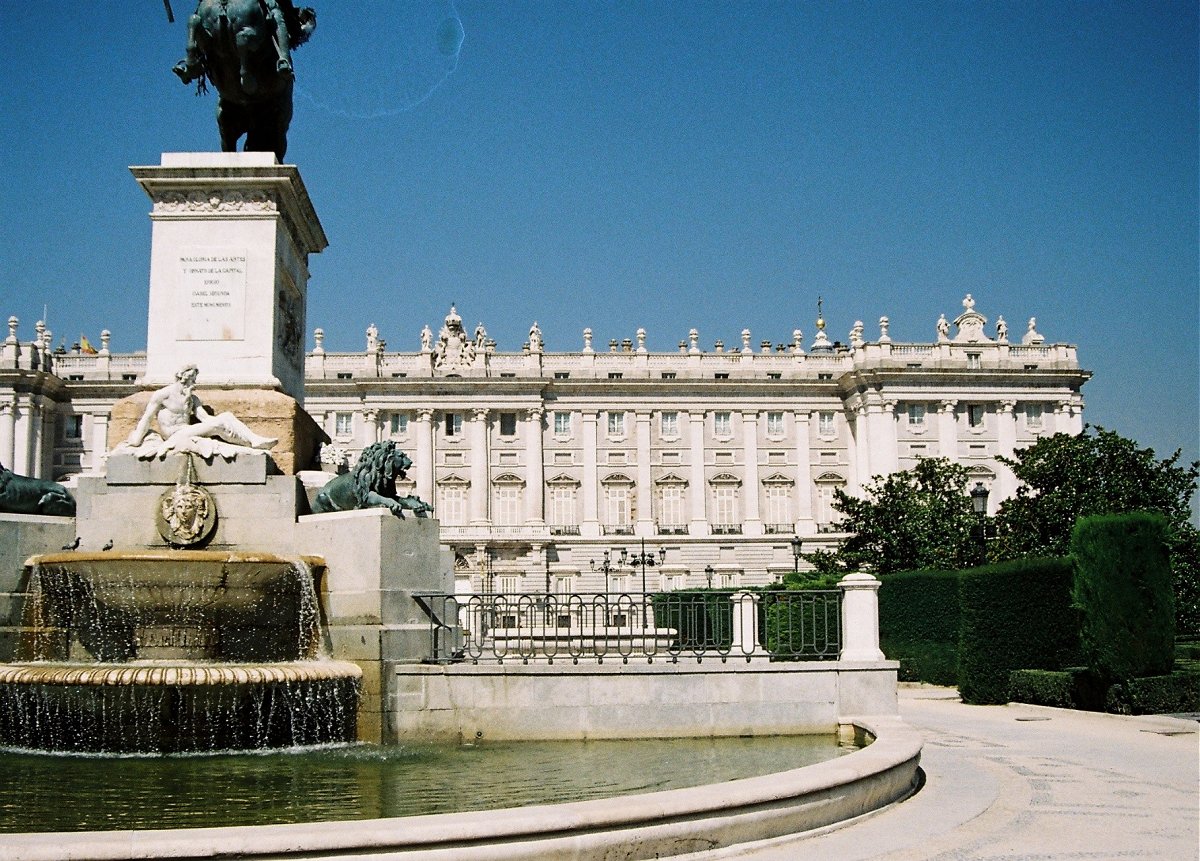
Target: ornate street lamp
(797,546)
(644,560)
(708,574)
(982,530)
(606,566)
(979,499)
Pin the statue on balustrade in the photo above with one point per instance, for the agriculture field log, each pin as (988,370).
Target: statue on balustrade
(372,484)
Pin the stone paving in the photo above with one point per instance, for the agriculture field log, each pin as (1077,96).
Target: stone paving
(1024,783)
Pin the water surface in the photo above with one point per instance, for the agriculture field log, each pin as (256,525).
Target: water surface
(46,792)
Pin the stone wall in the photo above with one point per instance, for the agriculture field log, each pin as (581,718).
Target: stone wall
(22,536)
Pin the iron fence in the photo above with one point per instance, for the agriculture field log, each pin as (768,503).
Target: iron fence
(719,624)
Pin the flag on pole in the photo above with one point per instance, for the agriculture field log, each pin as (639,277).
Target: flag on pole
(85,346)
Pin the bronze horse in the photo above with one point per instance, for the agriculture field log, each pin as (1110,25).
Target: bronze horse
(244,48)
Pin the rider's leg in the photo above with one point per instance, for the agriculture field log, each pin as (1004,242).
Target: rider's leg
(188,69)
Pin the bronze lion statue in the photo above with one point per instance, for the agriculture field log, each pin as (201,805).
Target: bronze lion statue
(20,494)
(372,484)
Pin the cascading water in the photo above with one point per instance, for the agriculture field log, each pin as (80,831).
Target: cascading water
(173,651)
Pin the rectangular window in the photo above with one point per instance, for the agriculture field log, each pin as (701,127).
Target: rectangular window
(343,424)
(615,375)
(562,424)
(669,424)
(618,511)
(345,375)
(775,424)
(720,376)
(453,424)
(668,375)
(508,424)
(398,424)
(825,498)
(1033,415)
(973,360)
(825,424)
(452,505)
(774,375)
(616,424)
(725,509)
(508,504)
(722,424)
(508,375)
(916,415)
(975,414)
(779,509)
(72,427)
(670,513)
(824,376)
(562,375)
(562,506)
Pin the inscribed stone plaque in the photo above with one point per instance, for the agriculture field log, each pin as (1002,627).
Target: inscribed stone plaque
(212,294)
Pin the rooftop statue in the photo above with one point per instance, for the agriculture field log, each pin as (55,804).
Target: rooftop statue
(185,425)
(245,48)
(20,494)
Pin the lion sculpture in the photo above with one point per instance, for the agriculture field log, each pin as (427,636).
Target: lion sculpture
(20,494)
(372,484)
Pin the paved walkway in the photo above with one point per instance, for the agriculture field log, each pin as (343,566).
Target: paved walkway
(1024,783)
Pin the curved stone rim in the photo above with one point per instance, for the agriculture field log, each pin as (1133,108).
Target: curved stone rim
(670,822)
(175,674)
(168,556)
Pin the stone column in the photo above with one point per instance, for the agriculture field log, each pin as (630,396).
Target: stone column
(948,430)
(591,484)
(99,441)
(881,417)
(8,429)
(43,428)
(752,522)
(804,482)
(479,467)
(860,618)
(862,446)
(1006,443)
(645,515)
(535,473)
(21,437)
(424,459)
(699,524)
(370,426)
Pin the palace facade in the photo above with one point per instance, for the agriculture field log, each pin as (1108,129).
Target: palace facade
(544,466)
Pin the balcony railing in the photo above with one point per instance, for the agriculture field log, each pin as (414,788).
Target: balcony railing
(718,624)
(672,529)
(727,529)
(618,528)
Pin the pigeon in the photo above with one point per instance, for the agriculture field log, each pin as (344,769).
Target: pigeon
(74,545)
(108,545)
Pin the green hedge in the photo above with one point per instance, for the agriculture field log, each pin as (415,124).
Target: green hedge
(918,624)
(703,619)
(1123,588)
(1015,615)
(1177,692)
(1042,688)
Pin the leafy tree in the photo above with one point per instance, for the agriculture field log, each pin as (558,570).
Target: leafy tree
(1065,477)
(916,518)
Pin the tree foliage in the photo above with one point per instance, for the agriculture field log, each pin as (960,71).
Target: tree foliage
(916,518)
(1064,477)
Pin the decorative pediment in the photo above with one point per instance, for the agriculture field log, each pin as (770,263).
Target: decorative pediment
(616,478)
(981,472)
(453,480)
(670,478)
(725,478)
(563,480)
(778,478)
(830,478)
(508,478)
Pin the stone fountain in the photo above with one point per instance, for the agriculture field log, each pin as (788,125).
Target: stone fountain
(206,608)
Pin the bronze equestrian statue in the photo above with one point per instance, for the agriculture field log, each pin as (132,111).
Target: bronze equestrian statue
(245,48)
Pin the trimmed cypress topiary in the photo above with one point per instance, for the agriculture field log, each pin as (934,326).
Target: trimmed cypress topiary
(1015,615)
(1124,592)
(918,624)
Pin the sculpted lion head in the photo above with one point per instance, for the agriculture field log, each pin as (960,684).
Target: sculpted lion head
(378,468)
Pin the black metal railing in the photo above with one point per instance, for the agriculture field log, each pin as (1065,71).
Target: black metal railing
(720,624)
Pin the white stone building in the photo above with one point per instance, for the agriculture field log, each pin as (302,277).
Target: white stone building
(538,462)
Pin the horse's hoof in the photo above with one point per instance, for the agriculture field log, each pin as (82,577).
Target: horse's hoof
(284,67)
(184,71)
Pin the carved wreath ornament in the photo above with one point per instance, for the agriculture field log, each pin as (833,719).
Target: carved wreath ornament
(256,200)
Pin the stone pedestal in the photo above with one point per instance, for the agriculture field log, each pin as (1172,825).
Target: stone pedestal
(266,412)
(229,269)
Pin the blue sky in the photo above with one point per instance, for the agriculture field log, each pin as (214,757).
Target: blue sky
(667,165)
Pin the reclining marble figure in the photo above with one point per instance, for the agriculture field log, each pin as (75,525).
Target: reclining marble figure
(185,425)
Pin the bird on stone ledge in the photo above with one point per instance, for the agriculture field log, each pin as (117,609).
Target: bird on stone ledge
(74,545)
(108,545)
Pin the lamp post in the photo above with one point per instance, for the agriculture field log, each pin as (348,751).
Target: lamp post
(708,574)
(606,566)
(644,560)
(797,546)
(979,505)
